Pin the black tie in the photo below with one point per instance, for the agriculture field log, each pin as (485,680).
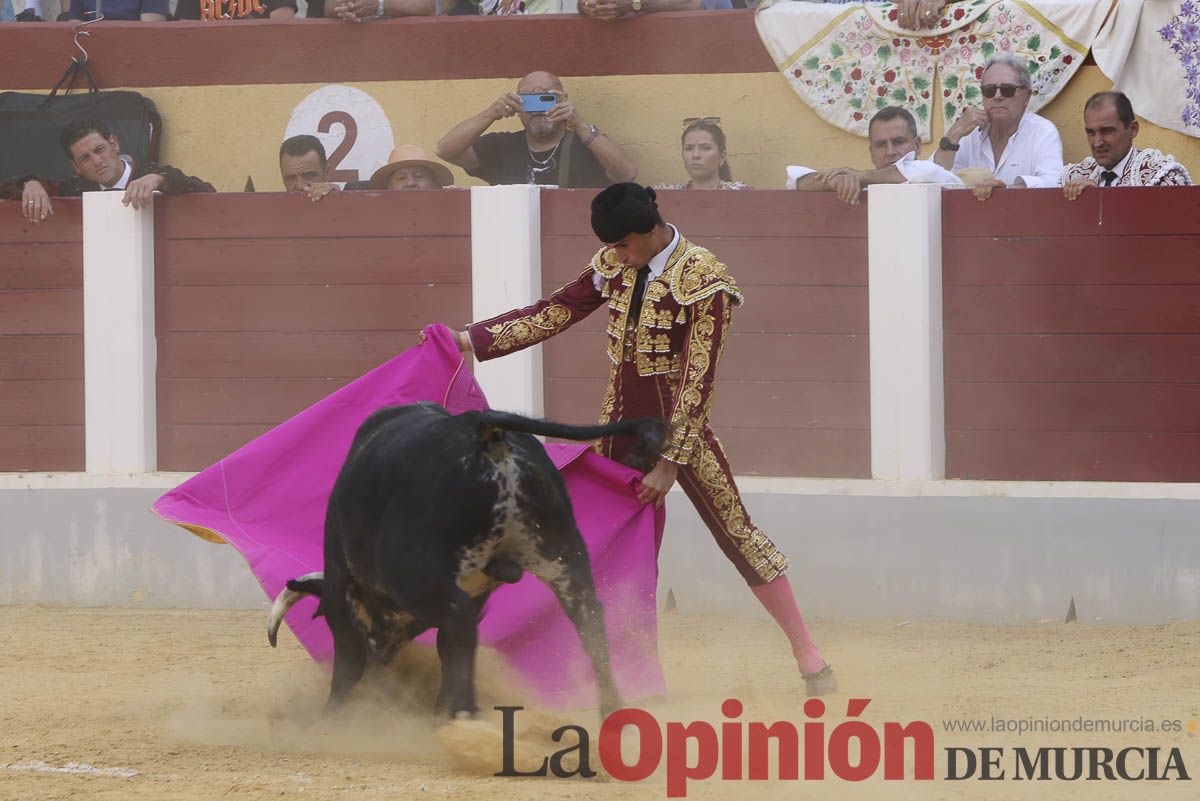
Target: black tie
(639,291)
(1108,176)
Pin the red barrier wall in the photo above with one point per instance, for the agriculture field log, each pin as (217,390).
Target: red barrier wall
(145,54)
(269,302)
(41,339)
(793,396)
(1073,335)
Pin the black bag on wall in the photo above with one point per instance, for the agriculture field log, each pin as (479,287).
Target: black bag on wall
(30,124)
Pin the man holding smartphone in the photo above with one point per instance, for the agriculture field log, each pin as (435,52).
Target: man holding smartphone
(557,146)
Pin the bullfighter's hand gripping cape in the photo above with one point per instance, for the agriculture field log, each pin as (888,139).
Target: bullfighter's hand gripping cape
(268,500)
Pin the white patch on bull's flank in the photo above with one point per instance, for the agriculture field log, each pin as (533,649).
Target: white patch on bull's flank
(508,531)
(78,768)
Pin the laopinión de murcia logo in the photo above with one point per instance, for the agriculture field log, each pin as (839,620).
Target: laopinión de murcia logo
(633,745)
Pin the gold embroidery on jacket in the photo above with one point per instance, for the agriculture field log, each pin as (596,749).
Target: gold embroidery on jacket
(528,330)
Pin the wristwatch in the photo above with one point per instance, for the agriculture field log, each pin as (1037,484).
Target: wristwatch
(637,6)
(946,144)
(593,131)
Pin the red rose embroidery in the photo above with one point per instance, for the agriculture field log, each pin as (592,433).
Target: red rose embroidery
(848,89)
(797,73)
(858,115)
(979,72)
(959,13)
(882,91)
(1067,59)
(856,74)
(889,76)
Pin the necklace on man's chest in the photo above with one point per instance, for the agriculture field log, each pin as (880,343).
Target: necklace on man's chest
(538,166)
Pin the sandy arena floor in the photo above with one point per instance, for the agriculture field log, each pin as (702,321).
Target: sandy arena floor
(183,706)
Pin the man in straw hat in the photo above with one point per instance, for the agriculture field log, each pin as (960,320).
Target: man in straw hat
(409,167)
(669,305)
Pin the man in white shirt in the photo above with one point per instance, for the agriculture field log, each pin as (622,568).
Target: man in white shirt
(1017,146)
(894,143)
(1111,127)
(95,156)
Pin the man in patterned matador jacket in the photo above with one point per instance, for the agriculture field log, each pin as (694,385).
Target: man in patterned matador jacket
(669,304)
(1111,127)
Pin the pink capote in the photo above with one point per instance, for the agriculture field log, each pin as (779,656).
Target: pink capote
(268,499)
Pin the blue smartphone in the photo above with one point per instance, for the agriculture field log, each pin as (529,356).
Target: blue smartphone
(535,103)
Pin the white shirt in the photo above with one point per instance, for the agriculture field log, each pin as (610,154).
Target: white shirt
(1122,165)
(914,172)
(123,181)
(1034,153)
(657,264)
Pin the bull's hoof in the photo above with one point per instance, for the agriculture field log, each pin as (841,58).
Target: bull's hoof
(823,682)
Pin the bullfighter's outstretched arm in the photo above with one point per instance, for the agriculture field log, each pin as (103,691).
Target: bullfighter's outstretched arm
(520,328)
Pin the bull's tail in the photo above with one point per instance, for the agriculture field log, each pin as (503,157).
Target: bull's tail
(651,432)
(297,588)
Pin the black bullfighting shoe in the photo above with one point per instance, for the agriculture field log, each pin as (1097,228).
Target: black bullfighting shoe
(823,682)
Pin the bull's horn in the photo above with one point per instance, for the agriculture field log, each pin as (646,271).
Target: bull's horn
(284,602)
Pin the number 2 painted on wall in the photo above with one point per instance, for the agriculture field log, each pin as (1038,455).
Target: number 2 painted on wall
(343,149)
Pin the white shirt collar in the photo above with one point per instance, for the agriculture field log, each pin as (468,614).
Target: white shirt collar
(123,181)
(1120,168)
(659,262)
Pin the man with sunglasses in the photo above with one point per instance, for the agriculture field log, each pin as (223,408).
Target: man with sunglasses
(894,144)
(1017,146)
(1111,126)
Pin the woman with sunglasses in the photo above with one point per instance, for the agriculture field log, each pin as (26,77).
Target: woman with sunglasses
(1017,146)
(703,144)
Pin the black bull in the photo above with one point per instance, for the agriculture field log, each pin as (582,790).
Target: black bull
(429,514)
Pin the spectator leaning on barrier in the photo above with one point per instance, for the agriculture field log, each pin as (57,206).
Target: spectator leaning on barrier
(912,14)
(96,157)
(220,10)
(557,147)
(1017,146)
(129,10)
(894,144)
(359,10)
(1111,127)
(409,167)
(303,166)
(704,157)
(622,9)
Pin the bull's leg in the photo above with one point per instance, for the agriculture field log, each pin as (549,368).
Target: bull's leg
(569,576)
(349,659)
(457,639)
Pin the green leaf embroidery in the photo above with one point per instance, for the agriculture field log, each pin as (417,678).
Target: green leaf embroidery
(1033,67)
(950,111)
(1035,42)
(884,53)
(988,49)
(920,83)
(900,95)
(923,113)
(950,82)
(836,50)
(812,63)
(982,18)
(972,92)
(880,103)
(855,103)
(1055,52)
(836,75)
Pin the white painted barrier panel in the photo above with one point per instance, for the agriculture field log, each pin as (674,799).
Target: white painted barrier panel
(119,351)
(506,273)
(904,230)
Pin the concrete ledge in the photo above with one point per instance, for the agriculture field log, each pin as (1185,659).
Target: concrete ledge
(981,559)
